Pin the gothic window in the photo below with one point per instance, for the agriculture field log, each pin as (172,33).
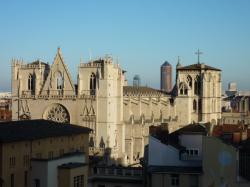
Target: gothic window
(92,84)
(197,86)
(91,142)
(102,144)
(58,113)
(200,105)
(59,81)
(183,89)
(189,81)
(31,82)
(194,105)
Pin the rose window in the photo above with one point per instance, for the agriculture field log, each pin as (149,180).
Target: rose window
(57,113)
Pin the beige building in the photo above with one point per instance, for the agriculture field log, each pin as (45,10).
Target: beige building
(43,153)
(119,115)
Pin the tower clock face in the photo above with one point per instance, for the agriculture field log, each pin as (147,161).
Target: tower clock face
(225,158)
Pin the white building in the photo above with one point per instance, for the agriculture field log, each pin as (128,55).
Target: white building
(178,161)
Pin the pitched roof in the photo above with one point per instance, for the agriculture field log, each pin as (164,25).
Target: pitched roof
(198,67)
(37,129)
(194,129)
(166,63)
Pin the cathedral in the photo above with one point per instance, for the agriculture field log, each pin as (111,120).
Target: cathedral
(119,115)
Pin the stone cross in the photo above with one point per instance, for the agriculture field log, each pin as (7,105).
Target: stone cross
(198,53)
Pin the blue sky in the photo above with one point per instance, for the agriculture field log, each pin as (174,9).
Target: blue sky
(140,34)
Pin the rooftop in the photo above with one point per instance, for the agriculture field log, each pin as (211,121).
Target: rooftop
(195,128)
(166,63)
(24,130)
(72,165)
(198,67)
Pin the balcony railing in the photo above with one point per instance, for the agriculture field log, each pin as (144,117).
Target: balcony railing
(186,157)
(118,171)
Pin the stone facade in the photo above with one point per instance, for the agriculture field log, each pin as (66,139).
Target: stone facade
(119,115)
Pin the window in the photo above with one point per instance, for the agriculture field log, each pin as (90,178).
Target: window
(81,148)
(12,161)
(194,181)
(12,180)
(50,155)
(192,152)
(25,178)
(31,82)
(183,89)
(92,84)
(37,182)
(59,81)
(61,152)
(200,105)
(197,86)
(78,181)
(194,105)
(26,160)
(196,152)
(189,81)
(175,180)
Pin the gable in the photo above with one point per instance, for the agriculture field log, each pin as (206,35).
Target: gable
(59,77)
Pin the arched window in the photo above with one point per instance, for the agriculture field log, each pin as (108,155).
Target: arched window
(194,105)
(183,89)
(91,142)
(31,82)
(92,84)
(102,144)
(197,86)
(200,105)
(59,81)
(189,81)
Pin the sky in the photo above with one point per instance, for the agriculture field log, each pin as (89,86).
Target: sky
(139,34)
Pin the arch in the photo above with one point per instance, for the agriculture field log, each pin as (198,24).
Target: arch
(58,113)
(189,81)
(183,89)
(92,84)
(31,82)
